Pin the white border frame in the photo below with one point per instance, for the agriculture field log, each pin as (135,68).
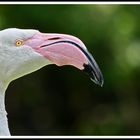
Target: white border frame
(63,2)
(69,137)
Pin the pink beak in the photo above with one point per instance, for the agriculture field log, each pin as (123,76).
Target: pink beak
(63,49)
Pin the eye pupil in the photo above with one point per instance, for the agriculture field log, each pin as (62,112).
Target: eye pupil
(19,42)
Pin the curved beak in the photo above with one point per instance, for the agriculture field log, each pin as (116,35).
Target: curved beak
(63,49)
(93,70)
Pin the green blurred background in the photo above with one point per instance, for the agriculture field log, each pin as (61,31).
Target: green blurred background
(63,100)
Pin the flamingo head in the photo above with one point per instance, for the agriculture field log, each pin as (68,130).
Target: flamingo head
(23,51)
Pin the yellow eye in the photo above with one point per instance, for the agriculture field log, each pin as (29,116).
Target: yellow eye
(19,42)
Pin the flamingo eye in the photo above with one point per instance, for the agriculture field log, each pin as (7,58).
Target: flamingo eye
(19,42)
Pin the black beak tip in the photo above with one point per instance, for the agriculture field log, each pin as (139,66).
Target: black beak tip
(98,82)
(94,73)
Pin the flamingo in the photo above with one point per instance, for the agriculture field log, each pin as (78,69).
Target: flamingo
(23,51)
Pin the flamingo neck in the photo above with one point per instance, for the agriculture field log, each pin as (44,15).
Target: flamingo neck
(4,129)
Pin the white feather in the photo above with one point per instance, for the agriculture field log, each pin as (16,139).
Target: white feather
(14,63)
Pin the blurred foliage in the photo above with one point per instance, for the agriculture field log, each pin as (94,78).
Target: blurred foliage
(64,101)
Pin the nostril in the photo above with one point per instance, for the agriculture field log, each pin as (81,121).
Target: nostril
(54,38)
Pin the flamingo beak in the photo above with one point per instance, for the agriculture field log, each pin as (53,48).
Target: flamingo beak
(63,49)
